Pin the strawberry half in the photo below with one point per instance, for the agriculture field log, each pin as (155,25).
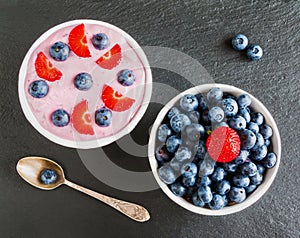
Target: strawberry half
(45,69)
(78,42)
(111,58)
(115,100)
(81,119)
(223,144)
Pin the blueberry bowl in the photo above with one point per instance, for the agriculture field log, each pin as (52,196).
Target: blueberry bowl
(210,156)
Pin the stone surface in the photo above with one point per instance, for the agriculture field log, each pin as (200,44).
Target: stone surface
(200,29)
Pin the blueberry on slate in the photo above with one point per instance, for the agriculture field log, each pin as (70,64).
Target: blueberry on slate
(237,122)
(59,51)
(167,174)
(197,201)
(241,157)
(270,160)
(248,139)
(254,52)
(259,153)
(239,42)
(38,89)
(244,112)
(244,100)
(237,194)
(253,127)
(172,112)
(230,107)
(162,154)
(241,180)
(250,188)
(205,194)
(100,41)
(60,118)
(218,174)
(248,168)
(230,167)
(189,170)
(178,189)
(189,181)
(257,118)
(172,144)
(256,179)
(206,167)
(260,169)
(216,114)
(222,187)
(267,142)
(259,141)
(202,102)
(126,77)
(183,153)
(103,117)
(189,102)
(48,176)
(217,202)
(195,131)
(83,81)
(163,132)
(266,131)
(179,121)
(205,181)
(214,95)
(194,116)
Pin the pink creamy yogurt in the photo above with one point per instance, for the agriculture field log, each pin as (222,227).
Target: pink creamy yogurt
(64,95)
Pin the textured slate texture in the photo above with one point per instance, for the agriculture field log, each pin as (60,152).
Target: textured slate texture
(200,29)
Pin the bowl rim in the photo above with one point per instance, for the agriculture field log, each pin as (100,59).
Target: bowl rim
(253,197)
(95,143)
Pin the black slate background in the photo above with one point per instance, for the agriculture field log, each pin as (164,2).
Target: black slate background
(200,29)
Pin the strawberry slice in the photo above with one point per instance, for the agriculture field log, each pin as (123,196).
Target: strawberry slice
(115,100)
(111,58)
(81,119)
(78,42)
(223,144)
(45,69)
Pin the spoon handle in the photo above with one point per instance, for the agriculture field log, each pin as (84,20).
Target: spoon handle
(134,211)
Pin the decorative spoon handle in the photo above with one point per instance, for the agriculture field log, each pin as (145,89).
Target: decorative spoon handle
(134,211)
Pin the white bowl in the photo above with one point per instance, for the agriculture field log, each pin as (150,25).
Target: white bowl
(95,142)
(268,178)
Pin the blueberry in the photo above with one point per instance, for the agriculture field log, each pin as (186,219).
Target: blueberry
(178,189)
(167,174)
(83,81)
(259,153)
(217,202)
(179,121)
(60,118)
(253,127)
(244,100)
(204,117)
(38,89)
(248,139)
(126,77)
(202,102)
(189,181)
(242,157)
(223,123)
(183,153)
(270,160)
(194,116)
(162,154)
(266,131)
(267,142)
(204,193)
(205,181)
(59,51)
(172,143)
(48,176)
(237,194)
(248,168)
(189,102)
(200,150)
(103,117)
(250,188)
(195,131)
(237,123)
(216,114)
(223,187)
(218,174)
(239,42)
(230,167)
(257,118)
(197,201)
(230,107)
(256,179)
(214,95)
(260,168)
(225,199)
(243,112)
(241,180)
(189,170)
(100,41)
(206,167)
(254,52)
(175,164)
(172,112)
(259,141)
(163,132)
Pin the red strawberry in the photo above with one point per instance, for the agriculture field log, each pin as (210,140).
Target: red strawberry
(115,100)
(81,119)
(45,69)
(78,42)
(223,144)
(111,58)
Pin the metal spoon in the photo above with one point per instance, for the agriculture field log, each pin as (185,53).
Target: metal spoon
(29,168)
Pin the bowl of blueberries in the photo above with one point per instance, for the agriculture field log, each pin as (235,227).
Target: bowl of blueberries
(214,149)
